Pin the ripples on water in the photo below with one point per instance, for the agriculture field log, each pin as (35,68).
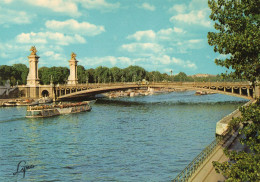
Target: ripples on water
(148,138)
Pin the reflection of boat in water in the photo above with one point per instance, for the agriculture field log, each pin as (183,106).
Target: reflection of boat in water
(44,100)
(201,93)
(204,93)
(54,110)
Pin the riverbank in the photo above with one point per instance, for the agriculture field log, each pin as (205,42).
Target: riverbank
(139,92)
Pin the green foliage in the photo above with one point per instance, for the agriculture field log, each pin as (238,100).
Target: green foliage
(132,73)
(16,73)
(237,36)
(180,77)
(58,74)
(22,73)
(81,74)
(244,166)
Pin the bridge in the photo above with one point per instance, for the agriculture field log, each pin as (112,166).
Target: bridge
(238,89)
(73,90)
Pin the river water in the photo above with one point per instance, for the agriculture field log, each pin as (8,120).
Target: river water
(149,138)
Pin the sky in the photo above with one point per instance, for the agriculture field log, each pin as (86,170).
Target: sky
(158,35)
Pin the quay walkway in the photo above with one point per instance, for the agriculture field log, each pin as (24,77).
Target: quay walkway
(201,168)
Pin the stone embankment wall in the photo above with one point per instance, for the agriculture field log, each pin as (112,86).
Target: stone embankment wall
(222,125)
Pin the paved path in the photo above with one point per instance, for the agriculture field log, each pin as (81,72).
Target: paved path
(207,172)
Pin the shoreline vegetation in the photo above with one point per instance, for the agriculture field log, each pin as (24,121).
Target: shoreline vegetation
(17,75)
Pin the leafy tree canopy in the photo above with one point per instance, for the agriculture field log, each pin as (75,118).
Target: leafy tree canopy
(237,36)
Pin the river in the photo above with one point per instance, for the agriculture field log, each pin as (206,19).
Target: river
(149,138)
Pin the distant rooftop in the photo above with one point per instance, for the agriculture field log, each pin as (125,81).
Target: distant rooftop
(202,75)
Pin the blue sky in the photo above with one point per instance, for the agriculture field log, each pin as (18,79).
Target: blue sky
(158,35)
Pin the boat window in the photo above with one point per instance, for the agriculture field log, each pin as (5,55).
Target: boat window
(37,113)
(29,113)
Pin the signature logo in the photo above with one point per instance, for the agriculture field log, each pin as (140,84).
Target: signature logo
(22,168)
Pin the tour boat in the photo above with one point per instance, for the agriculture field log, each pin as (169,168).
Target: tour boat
(55,110)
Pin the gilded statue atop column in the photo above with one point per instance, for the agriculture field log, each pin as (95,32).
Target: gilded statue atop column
(33,49)
(73,56)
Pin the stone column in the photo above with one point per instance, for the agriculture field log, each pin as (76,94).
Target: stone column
(33,80)
(33,77)
(72,80)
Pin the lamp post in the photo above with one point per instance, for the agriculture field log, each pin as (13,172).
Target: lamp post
(171,75)
(86,79)
(134,77)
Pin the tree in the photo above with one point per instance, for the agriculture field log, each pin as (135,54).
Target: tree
(116,74)
(8,73)
(237,36)
(181,77)
(132,72)
(90,74)
(23,71)
(244,166)
(59,75)
(81,74)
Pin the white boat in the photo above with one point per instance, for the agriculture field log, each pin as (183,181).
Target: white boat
(10,103)
(54,110)
(45,100)
(27,102)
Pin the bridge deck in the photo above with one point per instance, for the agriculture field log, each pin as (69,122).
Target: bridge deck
(227,88)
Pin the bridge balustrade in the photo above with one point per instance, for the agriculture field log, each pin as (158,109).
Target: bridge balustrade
(240,88)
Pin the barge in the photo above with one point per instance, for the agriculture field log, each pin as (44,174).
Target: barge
(55,110)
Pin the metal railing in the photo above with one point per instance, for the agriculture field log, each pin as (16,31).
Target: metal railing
(195,164)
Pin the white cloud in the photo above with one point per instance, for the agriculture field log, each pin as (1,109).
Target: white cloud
(179,8)
(193,18)
(148,35)
(169,34)
(184,64)
(73,26)
(161,35)
(143,49)
(99,4)
(195,41)
(191,65)
(53,56)
(8,1)
(60,6)
(49,37)
(147,6)
(8,16)
(106,61)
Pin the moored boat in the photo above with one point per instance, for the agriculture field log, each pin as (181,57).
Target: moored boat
(54,110)
(27,102)
(45,100)
(10,103)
